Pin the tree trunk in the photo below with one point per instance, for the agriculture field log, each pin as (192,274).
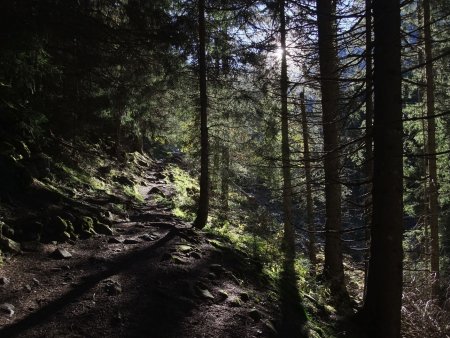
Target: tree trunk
(225,182)
(333,268)
(431,145)
(369,135)
(309,201)
(289,234)
(384,290)
(202,213)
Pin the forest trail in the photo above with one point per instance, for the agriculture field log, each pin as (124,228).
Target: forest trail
(154,277)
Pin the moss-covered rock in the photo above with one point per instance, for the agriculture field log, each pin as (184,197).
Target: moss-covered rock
(86,227)
(102,228)
(7,244)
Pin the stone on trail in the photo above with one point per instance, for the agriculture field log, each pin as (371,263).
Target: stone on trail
(103,229)
(112,287)
(195,255)
(255,315)
(61,254)
(7,244)
(114,240)
(205,294)
(244,296)
(184,248)
(148,238)
(156,191)
(223,294)
(7,308)
(4,281)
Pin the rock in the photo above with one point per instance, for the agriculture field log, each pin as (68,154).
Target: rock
(184,248)
(123,180)
(102,229)
(114,240)
(7,231)
(4,281)
(160,176)
(205,294)
(131,241)
(212,275)
(112,287)
(36,282)
(7,308)
(195,255)
(222,294)
(28,287)
(61,254)
(255,315)
(178,260)
(235,302)
(148,238)
(270,327)
(244,296)
(87,225)
(156,191)
(7,244)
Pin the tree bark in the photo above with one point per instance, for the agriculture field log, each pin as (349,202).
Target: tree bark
(202,213)
(333,268)
(369,134)
(289,233)
(384,290)
(431,147)
(309,200)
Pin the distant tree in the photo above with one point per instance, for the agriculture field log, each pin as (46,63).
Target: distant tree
(289,234)
(329,75)
(202,212)
(433,201)
(308,182)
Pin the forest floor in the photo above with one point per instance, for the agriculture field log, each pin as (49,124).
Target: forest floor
(153,277)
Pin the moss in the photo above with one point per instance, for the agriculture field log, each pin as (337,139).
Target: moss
(133,192)
(187,191)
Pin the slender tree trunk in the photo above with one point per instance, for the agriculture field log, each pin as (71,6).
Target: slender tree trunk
(289,234)
(431,145)
(225,147)
(369,134)
(384,290)
(225,182)
(425,199)
(202,213)
(309,201)
(216,153)
(333,268)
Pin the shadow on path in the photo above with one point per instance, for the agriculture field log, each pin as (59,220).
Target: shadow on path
(293,315)
(47,311)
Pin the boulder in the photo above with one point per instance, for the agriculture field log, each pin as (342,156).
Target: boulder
(7,309)
(102,228)
(255,315)
(7,244)
(61,253)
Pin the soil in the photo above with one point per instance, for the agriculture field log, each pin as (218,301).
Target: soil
(154,277)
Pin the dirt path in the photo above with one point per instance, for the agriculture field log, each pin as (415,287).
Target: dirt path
(153,278)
